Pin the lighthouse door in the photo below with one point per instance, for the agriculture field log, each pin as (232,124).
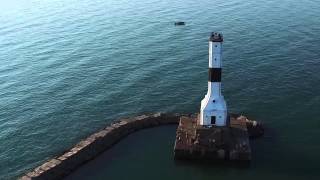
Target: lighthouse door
(213,119)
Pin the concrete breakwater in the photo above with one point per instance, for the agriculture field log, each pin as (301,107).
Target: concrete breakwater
(216,143)
(87,149)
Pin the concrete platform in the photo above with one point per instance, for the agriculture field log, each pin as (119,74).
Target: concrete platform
(223,143)
(230,143)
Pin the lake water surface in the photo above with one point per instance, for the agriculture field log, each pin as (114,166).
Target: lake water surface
(67,68)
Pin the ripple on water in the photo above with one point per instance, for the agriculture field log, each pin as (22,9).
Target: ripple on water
(69,67)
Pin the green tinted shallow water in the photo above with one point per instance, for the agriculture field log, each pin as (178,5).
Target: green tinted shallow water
(67,68)
(138,157)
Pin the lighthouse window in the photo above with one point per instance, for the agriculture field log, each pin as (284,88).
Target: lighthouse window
(213,120)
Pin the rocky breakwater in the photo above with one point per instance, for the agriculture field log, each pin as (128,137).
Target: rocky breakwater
(89,148)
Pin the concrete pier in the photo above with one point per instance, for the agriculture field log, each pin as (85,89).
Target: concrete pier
(216,143)
(89,148)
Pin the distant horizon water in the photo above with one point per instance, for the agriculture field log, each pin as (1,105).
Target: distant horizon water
(68,68)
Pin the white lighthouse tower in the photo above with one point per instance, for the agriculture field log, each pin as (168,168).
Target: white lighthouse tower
(213,110)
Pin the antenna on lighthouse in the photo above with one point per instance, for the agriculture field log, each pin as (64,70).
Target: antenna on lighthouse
(213,111)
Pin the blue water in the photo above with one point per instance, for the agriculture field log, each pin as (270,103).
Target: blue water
(67,68)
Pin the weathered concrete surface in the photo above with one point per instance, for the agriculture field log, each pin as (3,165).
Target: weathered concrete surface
(216,143)
(87,149)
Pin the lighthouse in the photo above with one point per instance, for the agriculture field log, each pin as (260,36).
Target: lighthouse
(215,134)
(213,111)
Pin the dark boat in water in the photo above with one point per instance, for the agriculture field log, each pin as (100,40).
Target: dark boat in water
(179,23)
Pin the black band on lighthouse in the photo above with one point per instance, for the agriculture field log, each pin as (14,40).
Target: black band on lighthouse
(215,74)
